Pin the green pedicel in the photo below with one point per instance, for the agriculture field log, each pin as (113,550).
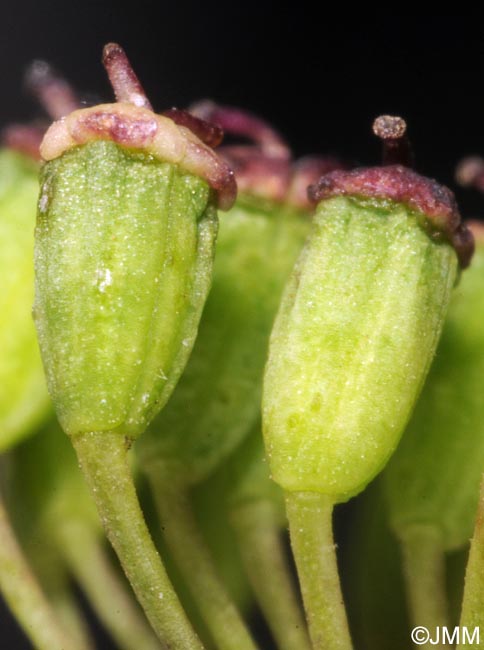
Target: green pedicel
(352,343)
(256,510)
(124,247)
(56,507)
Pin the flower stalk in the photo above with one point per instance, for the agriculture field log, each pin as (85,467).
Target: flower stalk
(24,596)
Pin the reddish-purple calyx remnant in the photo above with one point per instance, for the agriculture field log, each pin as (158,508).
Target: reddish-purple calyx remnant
(56,97)
(243,123)
(208,132)
(53,93)
(264,166)
(132,123)
(402,185)
(305,172)
(23,138)
(399,184)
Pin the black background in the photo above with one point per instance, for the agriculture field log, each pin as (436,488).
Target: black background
(320,79)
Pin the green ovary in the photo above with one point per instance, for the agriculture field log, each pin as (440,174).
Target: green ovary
(352,343)
(219,392)
(433,478)
(123,261)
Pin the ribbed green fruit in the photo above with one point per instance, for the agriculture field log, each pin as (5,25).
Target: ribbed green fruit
(23,396)
(434,477)
(217,400)
(352,343)
(123,264)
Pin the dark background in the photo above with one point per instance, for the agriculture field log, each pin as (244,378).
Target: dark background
(321,80)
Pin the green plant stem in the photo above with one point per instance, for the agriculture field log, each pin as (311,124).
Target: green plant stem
(472,615)
(310,526)
(24,595)
(188,548)
(257,527)
(70,615)
(424,573)
(104,462)
(89,563)
(58,590)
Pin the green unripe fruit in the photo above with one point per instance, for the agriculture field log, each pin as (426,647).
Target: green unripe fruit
(433,479)
(259,239)
(23,398)
(217,399)
(357,328)
(123,258)
(124,247)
